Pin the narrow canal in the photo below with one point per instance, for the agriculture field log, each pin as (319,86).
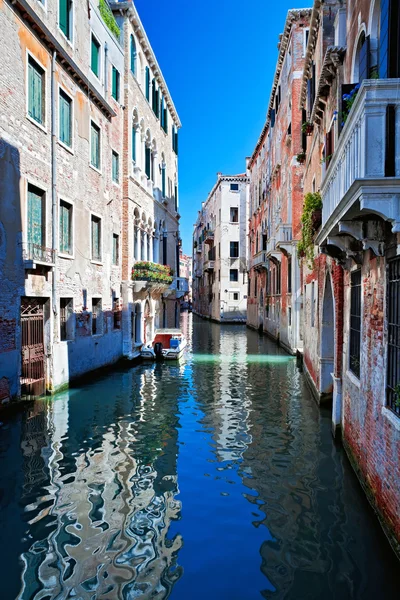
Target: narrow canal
(215,479)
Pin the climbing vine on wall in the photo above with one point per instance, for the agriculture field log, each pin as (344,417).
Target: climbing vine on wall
(311,208)
(108,18)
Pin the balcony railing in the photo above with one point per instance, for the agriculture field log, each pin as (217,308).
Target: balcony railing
(259,260)
(284,234)
(362,157)
(271,244)
(209,237)
(34,254)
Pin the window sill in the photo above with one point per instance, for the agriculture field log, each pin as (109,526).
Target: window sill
(116,184)
(97,262)
(391,417)
(67,148)
(38,125)
(69,42)
(95,169)
(67,341)
(233,222)
(97,335)
(353,378)
(67,256)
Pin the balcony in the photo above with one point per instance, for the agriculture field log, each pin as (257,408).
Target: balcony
(260,261)
(363,177)
(272,252)
(284,239)
(34,255)
(209,265)
(209,237)
(151,276)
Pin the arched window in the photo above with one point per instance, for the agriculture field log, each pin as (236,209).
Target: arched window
(133,55)
(361,59)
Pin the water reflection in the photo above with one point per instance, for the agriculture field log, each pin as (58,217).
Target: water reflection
(216,478)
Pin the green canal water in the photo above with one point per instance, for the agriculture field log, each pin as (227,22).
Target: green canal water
(214,479)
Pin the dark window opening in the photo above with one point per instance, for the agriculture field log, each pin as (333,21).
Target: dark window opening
(393,356)
(355,322)
(96,314)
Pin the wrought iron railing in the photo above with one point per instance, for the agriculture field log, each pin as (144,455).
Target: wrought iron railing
(35,253)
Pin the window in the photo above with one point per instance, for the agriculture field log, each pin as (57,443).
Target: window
(175,139)
(95,56)
(233,275)
(147,84)
(96,237)
(234,250)
(393,352)
(95,146)
(115,166)
(176,197)
(289,275)
(115,84)
(234,218)
(236,295)
(234,187)
(96,316)
(155,99)
(148,161)
(65,17)
(355,322)
(36,91)
(36,213)
(66,312)
(134,143)
(163,169)
(116,314)
(115,249)
(164,115)
(65,118)
(133,55)
(65,230)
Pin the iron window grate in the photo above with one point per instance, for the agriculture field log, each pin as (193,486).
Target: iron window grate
(393,359)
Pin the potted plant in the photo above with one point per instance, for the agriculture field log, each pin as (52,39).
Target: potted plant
(307,128)
(301,158)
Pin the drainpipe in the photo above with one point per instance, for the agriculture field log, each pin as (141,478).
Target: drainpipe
(54,211)
(105,69)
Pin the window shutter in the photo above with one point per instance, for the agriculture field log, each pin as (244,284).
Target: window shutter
(134,144)
(272,118)
(176,142)
(162,112)
(166,120)
(31,94)
(148,162)
(35,219)
(364,60)
(133,55)
(95,57)
(163,180)
(63,17)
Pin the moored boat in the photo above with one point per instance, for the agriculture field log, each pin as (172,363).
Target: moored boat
(168,344)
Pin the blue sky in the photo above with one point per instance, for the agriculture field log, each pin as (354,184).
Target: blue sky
(218,58)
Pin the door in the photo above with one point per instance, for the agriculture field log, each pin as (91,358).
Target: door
(32,348)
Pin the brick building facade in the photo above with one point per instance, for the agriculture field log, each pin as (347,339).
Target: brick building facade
(64,260)
(276,197)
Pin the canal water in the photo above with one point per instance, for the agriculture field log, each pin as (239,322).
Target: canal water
(214,479)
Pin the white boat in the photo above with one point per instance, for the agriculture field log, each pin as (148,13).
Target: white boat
(168,344)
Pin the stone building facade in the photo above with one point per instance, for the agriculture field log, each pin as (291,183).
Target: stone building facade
(150,186)
(351,285)
(276,197)
(220,251)
(63,303)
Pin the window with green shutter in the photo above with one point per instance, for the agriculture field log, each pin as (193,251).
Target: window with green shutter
(166,120)
(148,162)
(36,217)
(134,143)
(147,84)
(163,169)
(65,228)
(96,237)
(175,139)
(65,17)
(65,116)
(95,56)
(94,146)
(36,91)
(133,55)
(115,166)
(115,84)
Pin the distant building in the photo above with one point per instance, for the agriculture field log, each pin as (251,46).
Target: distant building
(220,251)
(185,272)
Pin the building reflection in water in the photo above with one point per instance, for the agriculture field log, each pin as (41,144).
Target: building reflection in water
(109,484)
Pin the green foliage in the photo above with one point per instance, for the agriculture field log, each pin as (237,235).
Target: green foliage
(108,18)
(397,392)
(312,202)
(148,271)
